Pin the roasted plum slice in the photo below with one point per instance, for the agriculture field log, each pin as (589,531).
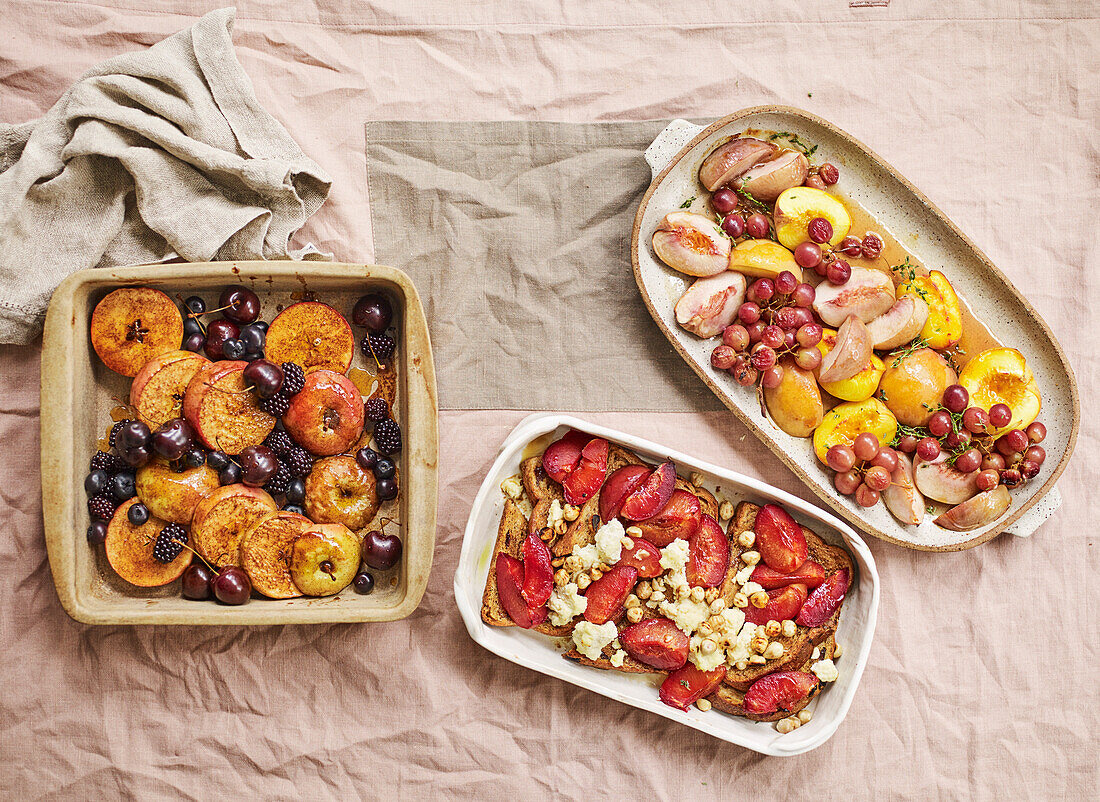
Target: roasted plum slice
(779,691)
(644,556)
(510,578)
(538,574)
(824,600)
(783,603)
(651,496)
(657,642)
(563,456)
(607,595)
(587,478)
(680,518)
(618,486)
(809,573)
(708,555)
(779,539)
(686,686)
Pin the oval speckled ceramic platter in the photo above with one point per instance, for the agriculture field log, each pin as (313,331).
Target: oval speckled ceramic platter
(933,239)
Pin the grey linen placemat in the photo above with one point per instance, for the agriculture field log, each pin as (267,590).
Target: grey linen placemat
(517,235)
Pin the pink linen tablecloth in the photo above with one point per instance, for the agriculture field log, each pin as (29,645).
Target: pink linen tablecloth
(983,678)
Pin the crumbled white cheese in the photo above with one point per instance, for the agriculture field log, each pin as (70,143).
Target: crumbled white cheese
(816,653)
(742,576)
(556,515)
(566,604)
(590,638)
(586,556)
(674,556)
(609,543)
(685,613)
(825,670)
(751,588)
(512,487)
(618,658)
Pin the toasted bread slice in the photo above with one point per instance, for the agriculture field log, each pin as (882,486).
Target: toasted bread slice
(266,553)
(797,648)
(707,502)
(538,485)
(732,701)
(629,666)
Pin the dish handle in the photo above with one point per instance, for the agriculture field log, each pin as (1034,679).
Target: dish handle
(669,142)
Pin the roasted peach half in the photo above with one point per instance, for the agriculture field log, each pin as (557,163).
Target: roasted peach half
(692,244)
(764,258)
(1001,376)
(794,405)
(797,206)
(944,326)
(859,387)
(913,384)
(843,422)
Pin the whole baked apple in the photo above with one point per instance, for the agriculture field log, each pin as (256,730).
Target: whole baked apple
(326,417)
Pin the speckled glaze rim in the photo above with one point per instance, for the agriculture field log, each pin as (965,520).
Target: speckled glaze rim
(932,210)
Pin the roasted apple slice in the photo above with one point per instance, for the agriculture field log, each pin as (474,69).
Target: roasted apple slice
(729,160)
(901,497)
(679,519)
(899,324)
(324,560)
(132,325)
(824,600)
(130,550)
(313,335)
(779,539)
(224,414)
(710,304)
(781,690)
(687,685)
(266,553)
(326,417)
(221,519)
(692,244)
(339,491)
(708,555)
(851,354)
(783,603)
(156,393)
(982,509)
(939,480)
(656,642)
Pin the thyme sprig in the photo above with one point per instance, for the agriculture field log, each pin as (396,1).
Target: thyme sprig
(908,431)
(687,204)
(900,353)
(807,149)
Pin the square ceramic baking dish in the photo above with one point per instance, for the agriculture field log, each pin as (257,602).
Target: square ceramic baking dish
(541,653)
(79,394)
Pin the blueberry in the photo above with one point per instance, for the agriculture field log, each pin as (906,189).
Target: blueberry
(367,458)
(363,582)
(295,508)
(122,486)
(138,514)
(253,338)
(217,460)
(195,305)
(233,348)
(194,458)
(97,532)
(96,482)
(191,326)
(296,491)
(230,474)
(384,468)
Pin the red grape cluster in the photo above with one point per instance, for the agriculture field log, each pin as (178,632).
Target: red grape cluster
(863,468)
(824,176)
(776,319)
(966,432)
(737,222)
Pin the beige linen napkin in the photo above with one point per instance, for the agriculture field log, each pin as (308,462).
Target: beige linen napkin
(149,156)
(517,235)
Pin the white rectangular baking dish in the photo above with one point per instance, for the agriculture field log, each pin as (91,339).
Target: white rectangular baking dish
(540,653)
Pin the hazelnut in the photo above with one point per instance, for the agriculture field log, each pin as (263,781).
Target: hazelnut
(746,539)
(634,531)
(759,599)
(572,564)
(774,650)
(697,595)
(718,623)
(595,574)
(657,596)
(683,591)
(634,615)
(643,590)
(560,528)
(561,577)
(626,542)
(785,725)
(758,660)
(705,628)
(632,601)
(571,512)
(805,714)
(711,595)
(703,704)
(725,510)
(717,606)
(546,533)
(772,629)
(750,557)
(603,567)
(741,665)
(788,628)
(759,643)
(740,600)
(708,646)
(697,478)
(583,581)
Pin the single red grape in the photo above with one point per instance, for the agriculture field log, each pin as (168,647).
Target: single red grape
(772,377)
(829,173)
(761,290)
(785,282)
(840,458)
(955,398)
(756,330)
(1036,432)
(993,462)
(877,478)
(787,318)
(1029,469)
(808,358)
(772,337)
(866,496)
(820,230)
(847,482)
(907,443)
(804,295)
(748,312)
(744,374)
(722,357)
(851,246)
(838,272)
(1036,454)
(757,226)
(940,423)
(886,458)
(1011,477)
(866,446)
(763,357)
(969,461)
(807,254)
(957,440)
(928,448)
(736,337)
(872,245)
(976,419)
(987,480)
(734,225)
(809,335)
(1000,415)
(724,200)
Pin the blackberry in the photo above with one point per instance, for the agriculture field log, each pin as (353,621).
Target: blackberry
(387,434)
(298,461)
(114,432)
(101,507)
(381,345)
(277,405)
(376,409)
(169,543)
(279,482)
(106,461)
(294,379)
(279,442)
